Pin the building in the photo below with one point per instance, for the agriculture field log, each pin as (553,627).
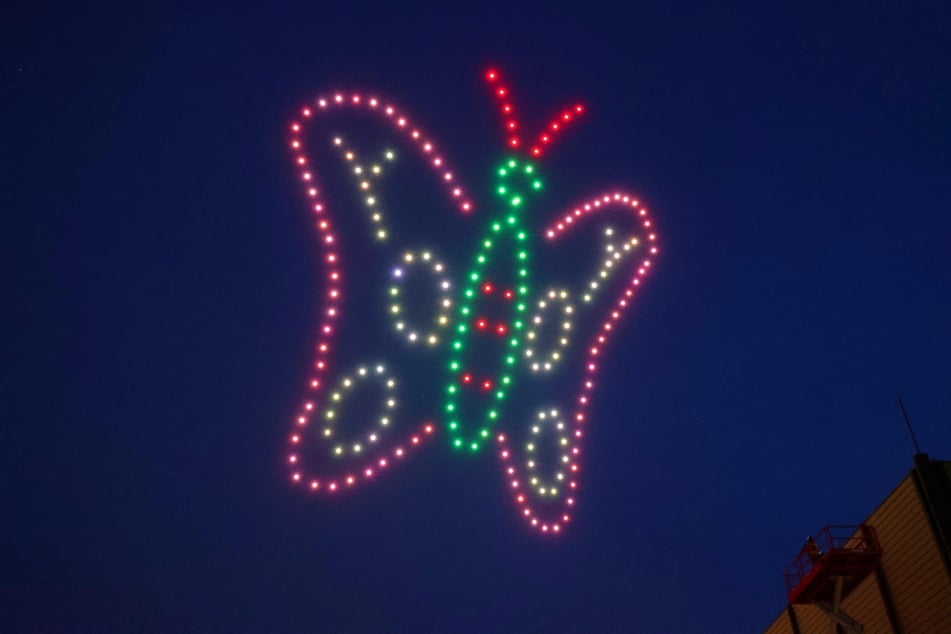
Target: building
(892,573)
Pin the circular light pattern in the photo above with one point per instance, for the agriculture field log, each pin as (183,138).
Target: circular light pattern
(536,360)
(551,422)
(365,177)
(397,311)
(338,396)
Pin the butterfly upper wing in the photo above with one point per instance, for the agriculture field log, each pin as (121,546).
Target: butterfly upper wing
(364,156)
(573,320)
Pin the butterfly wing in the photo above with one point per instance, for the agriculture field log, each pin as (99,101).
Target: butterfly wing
(365,156)
(572,323)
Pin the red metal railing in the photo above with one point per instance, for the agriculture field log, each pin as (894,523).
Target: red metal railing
(831,543)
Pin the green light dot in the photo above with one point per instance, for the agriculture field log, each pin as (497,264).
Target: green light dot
(511,220)
(465,310)
(470,293)
(484,432)
(510,360)
(506,379)
(493,414)
(487,244)
(502,171)
(519,324)
(523,290)
(529,168)
(502,190)
(521,235)
(457,345)
(512,163)
(523,273)
(500,395)
(450,407)
(453,425)
(496,227)
(537,184)
(522,256)
(451,389)
(475,446)
(481,259)
(474,276)
(454,365)
(457,442)
(461,328)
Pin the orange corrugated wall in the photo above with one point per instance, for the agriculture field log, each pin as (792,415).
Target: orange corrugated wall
(916,574)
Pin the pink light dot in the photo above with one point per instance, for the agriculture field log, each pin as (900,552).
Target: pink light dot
(296,477)
(314,484)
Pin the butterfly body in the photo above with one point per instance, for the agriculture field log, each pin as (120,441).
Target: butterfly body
(506,239)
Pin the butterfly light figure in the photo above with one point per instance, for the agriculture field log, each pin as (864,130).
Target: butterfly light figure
(491,333)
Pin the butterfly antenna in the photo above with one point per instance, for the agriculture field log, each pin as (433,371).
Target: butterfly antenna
(504,98)
(548,133)
(554,127)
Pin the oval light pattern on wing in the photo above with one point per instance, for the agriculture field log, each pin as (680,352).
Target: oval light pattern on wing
(410,262)
(335,411)
(557,323)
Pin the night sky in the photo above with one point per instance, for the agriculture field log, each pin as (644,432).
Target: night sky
(162,281)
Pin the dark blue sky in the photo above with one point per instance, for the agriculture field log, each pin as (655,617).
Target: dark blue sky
(159,315)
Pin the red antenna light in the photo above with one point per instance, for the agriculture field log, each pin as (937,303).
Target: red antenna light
(511,124)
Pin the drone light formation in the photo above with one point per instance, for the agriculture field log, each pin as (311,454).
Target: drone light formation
(493,308)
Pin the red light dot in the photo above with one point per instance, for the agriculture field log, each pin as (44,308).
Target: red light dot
(487,385)
(500,329)
(487,288)
(467,378)
(508,294)
(481,324)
